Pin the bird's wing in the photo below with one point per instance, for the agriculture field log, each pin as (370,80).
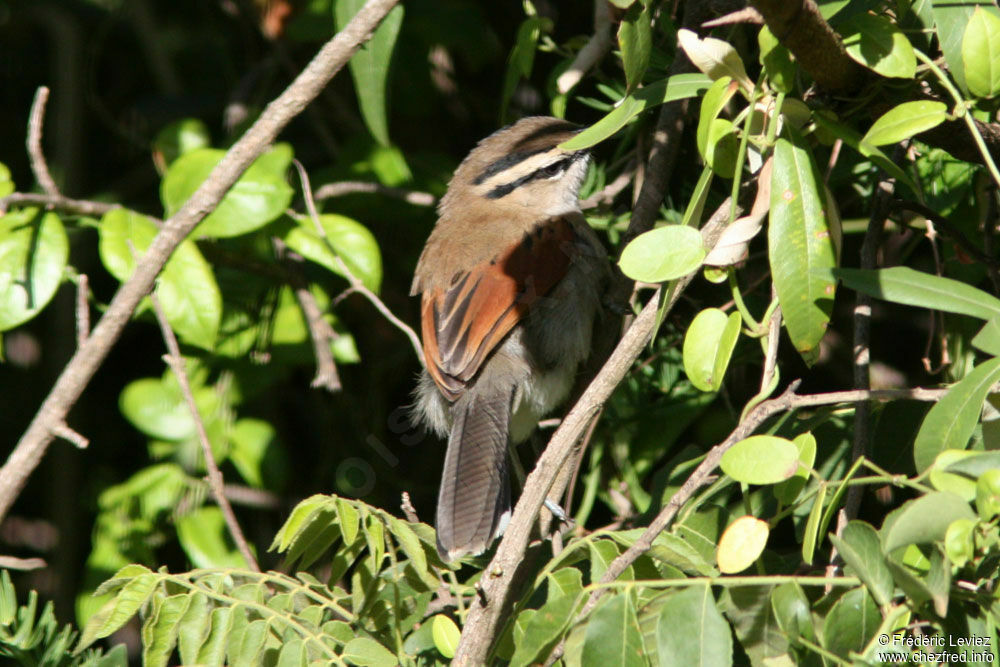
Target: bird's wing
(463,323)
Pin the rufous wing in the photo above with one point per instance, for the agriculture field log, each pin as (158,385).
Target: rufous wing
(463,323)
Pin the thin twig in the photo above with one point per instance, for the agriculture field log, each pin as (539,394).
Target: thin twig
(56,202)
(355,282)
(14,563)
(69,435)
(789,400)
(409,511)
(215,481)
(342,188)
(592,52)
(35,122)
(82,309)
(322,334)
(745,15)
(248,496)
(81,368)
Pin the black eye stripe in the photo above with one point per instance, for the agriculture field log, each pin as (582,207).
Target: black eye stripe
(547,171)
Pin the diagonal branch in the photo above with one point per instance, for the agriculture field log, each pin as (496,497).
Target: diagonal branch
(81,368)
(39,166)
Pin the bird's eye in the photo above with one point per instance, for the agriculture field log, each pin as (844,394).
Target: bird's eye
(553,169)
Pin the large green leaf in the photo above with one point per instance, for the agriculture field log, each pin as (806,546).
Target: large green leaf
(543,629)
(761,459)
(950,21)
(370,65)
(851,622)
(613,636)
(635,38)
(348,238)
(901,284)
(861,549)
(691,631)
(708,346)
(877,43)
(981,53)
(206,541)
(924,519)
(800,243)
(258,197)
(905,120)
(190,296)
(677,87)
(33,253)
(950,422)
(662,254)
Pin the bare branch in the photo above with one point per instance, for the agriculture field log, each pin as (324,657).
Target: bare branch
(322,334)
(57,202)
(69,435)
(35,122)
(82,309)
(215,480)
(14,563)
(342,188)
(745,15)
(409,511)
(81,368)
(592,52)
(356,284)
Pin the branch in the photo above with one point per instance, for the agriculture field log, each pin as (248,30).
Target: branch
(35,121)
(592,52)
(485,611)
(356,284)
(342,188)
(215,481)
(56,201)
(85,362)
(799,26)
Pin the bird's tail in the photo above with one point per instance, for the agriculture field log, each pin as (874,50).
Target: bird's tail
(474,499)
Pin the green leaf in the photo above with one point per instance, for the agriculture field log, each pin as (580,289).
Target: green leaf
(878,44)
(924,519)
(250,442)
(691,631)
(715,57)
(677,87)
(33,253)
(851,622)
(157,408)
(258,197)
(522,57)
(370,65)
(988,494)
(976,464)
(662,254)
(791,610)
(708,346)
(950,422)
(612,635)
(722,147)
(799,244)
(981,53)
(159,633)
(901,284)
(988,338)
(190,296)
(366,652)
(635,38)
(861,549)
(193,628)
(853,139)
(344,238)
(761,459)
(446,635)
(180,137)
(944,480)
(959,543)
(206,541)
(950,21)
(904,121)
(811,531)
(714,101)
(124,235)
(213,651)
(119,609)
(6,184)
(777,60)
(543,630)
(741,544)
(788,491)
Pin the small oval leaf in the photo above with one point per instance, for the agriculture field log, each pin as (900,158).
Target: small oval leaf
(741,544)
(761,459)
(904,121)
(663,254)
(708,346)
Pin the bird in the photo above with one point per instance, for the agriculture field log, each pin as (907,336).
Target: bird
(511,281)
